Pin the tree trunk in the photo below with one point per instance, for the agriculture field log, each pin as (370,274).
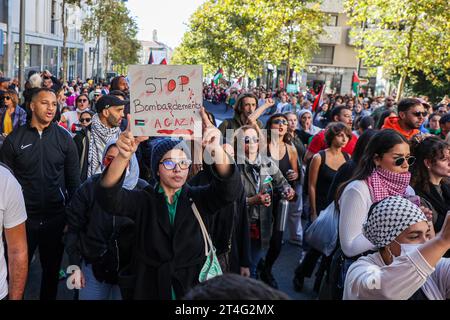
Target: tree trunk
(107,56)
(288,60)
(65,32)
(401,87)
(98,54)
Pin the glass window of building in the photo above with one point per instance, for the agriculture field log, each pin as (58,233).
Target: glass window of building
(332,20)
(324,56)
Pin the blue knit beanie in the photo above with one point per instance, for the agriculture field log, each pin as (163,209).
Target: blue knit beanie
(160,147)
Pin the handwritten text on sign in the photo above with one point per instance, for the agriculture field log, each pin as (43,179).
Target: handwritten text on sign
(165,100)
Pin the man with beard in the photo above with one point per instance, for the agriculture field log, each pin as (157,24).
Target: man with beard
(245,105)
(104,126)
(120,84)
(411,115)
(389,104)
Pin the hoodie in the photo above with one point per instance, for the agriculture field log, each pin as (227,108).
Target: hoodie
(392,123)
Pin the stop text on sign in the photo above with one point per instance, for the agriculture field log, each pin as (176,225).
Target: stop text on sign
(158,84)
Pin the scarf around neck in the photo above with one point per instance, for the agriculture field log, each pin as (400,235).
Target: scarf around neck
(383,183)
(100,135)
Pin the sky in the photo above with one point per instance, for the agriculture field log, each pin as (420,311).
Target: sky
(169,17)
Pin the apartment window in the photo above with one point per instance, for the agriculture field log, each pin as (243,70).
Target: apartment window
(3,11)
(325,55)
(53,21)
(332,20)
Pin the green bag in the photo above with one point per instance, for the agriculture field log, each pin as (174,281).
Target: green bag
(211,267)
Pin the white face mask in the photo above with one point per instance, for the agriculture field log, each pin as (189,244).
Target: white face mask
(408,247)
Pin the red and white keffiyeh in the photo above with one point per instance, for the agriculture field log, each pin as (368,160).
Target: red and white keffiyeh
(383,183)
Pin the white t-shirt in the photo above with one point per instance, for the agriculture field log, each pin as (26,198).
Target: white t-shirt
(12,213)
(369,278)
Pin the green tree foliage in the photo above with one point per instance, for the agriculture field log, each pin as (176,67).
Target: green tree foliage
(420,85)
(240,35)
(111,19)
(402,36)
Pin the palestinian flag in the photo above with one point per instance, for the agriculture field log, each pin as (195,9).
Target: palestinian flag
(139,123)
(355,83)
(318,101)
(218,76)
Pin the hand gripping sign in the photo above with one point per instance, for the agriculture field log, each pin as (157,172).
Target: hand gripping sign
(165,100)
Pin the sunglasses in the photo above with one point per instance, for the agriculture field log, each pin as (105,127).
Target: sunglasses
(399,161)
(169,164)
(6,98)
(418,114)
(280,121)
(248,139)
(82,100)
(85,120)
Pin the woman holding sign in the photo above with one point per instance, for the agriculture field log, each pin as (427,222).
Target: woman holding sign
(169,249)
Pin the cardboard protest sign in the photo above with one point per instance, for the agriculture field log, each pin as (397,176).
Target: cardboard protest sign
(165,100)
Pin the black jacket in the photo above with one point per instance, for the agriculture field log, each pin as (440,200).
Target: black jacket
(81,140)
(226,232)
(440,203)
(93,233)
(46,167)
(168,256)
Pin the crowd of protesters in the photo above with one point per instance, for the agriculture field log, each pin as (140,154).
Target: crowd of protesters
(130,212)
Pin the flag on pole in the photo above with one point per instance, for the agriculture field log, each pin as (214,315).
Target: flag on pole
(355,83)
(150,58)
(318,101)
(163,61)
(236,85)
(218,76)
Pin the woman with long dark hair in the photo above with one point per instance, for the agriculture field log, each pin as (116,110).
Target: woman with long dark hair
(284,154)
(430,177)
(383,171)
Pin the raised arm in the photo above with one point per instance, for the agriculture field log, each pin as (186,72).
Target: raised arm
(260,111)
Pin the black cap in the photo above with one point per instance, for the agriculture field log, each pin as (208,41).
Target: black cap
(108,101)
(3,79)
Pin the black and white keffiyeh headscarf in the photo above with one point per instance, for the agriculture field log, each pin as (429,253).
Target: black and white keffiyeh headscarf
(390,217)
(100,136)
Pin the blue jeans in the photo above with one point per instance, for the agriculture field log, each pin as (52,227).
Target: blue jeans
(256,254)
(96,290)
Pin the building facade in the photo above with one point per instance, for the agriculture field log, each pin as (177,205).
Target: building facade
(158,49)
(44,39)
(334,63)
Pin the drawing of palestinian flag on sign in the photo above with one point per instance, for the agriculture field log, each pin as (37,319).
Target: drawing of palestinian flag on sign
(139,123)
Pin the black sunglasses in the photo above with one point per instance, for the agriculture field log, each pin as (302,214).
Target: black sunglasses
(6,98)
(280,121)
(248,139)
(82,100)
(418,114)
(399,161)
(85,120)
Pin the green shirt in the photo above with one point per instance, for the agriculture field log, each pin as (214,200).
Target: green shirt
(172,207)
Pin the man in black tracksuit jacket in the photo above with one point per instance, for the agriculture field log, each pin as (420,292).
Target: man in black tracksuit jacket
(44,160)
